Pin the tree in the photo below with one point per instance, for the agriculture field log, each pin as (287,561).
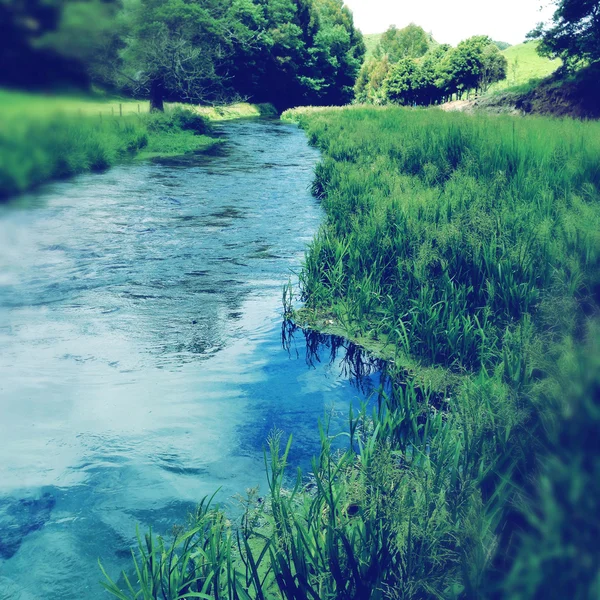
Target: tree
(410,42)
(402,83)
(369,83)
(493,67)
(574,33)
(181,49)
(337,53)
(474,64)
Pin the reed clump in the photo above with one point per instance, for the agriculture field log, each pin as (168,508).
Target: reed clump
(469,246)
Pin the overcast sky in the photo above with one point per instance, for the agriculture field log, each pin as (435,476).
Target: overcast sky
(451,21)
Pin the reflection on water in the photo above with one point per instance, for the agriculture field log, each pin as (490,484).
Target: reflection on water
(355,363)
(140,351)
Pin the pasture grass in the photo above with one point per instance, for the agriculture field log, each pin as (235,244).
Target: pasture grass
(468,248)
(525,65)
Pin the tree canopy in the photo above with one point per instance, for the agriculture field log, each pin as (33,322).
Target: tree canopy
(431,77)
(282,51)
(573,34)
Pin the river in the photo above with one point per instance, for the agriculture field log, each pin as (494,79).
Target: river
(141,357)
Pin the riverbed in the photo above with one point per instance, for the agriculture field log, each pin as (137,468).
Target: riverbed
(141,356)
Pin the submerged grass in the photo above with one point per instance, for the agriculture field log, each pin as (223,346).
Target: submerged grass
(468,248)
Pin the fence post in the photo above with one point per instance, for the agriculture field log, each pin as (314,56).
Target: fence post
(120,110)
(138,109)
(112,108)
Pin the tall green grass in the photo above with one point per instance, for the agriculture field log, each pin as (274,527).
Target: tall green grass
(447,233)
(35,148)
(469,246)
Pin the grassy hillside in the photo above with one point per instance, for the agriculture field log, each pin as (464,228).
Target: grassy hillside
(371,41)
(524,64)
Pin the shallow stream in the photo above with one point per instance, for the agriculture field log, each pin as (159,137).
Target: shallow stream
(141,356)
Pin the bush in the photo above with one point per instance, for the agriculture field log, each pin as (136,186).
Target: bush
(178,119)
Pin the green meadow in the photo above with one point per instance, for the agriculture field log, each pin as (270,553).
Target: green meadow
(525,65)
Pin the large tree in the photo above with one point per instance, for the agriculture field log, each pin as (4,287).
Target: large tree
(183,49)
(573,34)
(410,42)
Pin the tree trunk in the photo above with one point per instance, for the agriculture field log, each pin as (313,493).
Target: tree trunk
(157,96)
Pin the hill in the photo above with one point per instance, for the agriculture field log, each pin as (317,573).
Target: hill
(371,41)
(524,64)
(559,95)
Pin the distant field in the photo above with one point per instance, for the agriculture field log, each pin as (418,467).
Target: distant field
(14,103)
(371,41)
(524,64)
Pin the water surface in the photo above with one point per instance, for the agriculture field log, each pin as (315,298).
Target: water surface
(141,363)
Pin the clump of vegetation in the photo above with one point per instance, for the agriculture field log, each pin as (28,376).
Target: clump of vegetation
(408,67)
(177,119)
(42,146)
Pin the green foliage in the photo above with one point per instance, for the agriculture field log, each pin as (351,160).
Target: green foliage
(410,42)
(435,76)
(574,34)
(177,119)
(284,51)
(401,85)
(501,45)
(369,83)
(474,64)
(201,51)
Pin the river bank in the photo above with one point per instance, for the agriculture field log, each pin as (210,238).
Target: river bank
(466,250)
(52,137)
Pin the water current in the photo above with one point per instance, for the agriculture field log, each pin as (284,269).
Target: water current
(141,356)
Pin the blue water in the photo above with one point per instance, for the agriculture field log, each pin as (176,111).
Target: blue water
(141,357)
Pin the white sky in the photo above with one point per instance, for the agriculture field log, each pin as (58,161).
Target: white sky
(451,21)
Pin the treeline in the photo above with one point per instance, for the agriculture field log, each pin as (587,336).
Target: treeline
(409,67)
(202,51)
